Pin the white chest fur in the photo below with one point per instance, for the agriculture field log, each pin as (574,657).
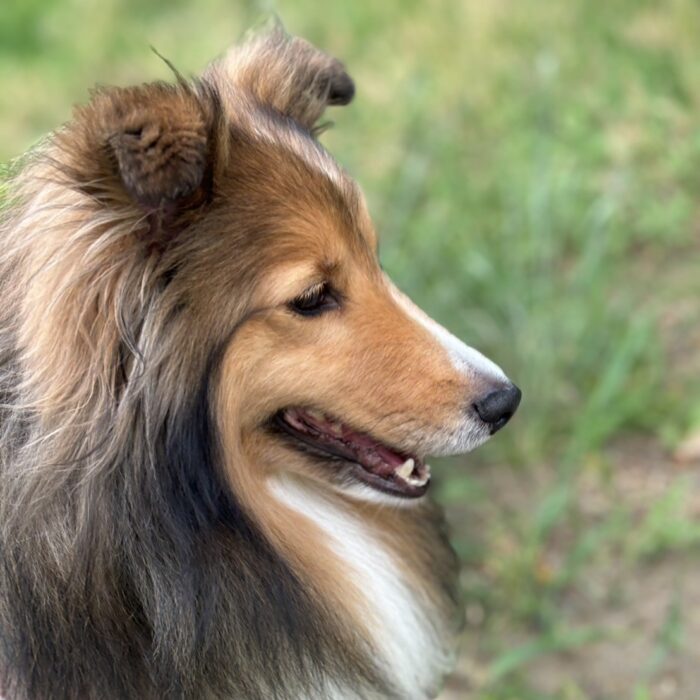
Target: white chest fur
(416,650)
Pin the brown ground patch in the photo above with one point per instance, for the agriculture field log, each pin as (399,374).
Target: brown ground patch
(646,606)
(630,599)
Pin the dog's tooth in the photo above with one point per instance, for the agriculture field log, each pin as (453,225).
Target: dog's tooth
(422,478)
(419,480)
(405,470)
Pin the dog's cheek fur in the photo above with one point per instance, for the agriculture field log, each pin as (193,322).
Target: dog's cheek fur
(368,362)
(417,573)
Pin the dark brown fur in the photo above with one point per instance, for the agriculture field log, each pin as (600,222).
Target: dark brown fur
(129,566)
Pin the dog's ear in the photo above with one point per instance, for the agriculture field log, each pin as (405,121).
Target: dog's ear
(159,138)
(150,146)
(286,74)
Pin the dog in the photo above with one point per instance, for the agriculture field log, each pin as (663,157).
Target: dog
(215,407)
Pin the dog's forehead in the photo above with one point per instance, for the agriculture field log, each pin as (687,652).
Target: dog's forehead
(285,174)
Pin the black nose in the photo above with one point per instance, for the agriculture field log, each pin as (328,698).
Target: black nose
(497,408)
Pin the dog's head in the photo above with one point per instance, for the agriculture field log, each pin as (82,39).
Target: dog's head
(263,270)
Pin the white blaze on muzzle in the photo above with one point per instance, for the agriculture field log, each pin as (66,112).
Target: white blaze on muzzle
(464,358)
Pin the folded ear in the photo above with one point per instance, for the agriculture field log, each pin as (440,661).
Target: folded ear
(286,74)
(159,137)
(150,145)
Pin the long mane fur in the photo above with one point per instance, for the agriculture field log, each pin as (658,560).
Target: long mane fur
(125,561)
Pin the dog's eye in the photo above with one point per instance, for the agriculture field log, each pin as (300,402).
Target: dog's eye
(315,300)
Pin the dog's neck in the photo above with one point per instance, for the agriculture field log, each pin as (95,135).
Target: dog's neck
(384,577)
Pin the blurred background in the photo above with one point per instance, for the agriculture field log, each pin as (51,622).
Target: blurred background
(534,170)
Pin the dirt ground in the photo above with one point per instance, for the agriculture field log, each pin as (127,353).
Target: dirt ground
(631,601)
(640,602)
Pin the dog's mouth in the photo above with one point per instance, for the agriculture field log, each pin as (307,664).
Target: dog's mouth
(382,467)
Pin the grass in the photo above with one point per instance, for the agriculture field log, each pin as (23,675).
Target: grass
(532,168)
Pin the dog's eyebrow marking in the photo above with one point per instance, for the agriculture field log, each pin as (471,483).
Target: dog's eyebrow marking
(290,279)
(329,268)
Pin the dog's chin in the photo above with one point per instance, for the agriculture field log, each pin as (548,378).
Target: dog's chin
(362,465)
(472,434)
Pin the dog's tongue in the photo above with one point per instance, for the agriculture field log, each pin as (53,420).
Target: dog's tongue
(380,458)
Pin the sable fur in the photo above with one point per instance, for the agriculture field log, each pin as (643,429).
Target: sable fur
(135,560)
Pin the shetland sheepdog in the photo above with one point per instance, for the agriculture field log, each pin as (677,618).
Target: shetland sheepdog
(215,407)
